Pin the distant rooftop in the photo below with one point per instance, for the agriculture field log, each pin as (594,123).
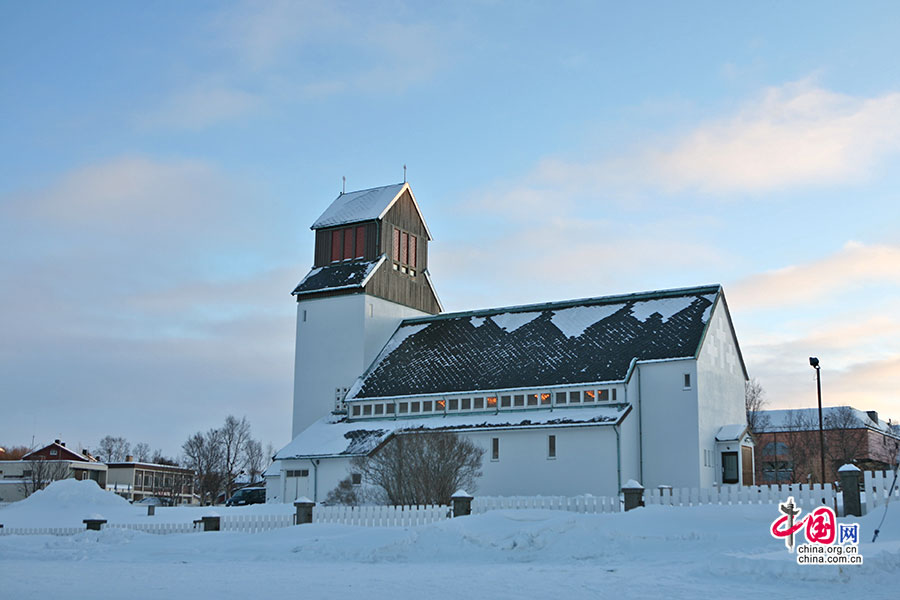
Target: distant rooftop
(834,417)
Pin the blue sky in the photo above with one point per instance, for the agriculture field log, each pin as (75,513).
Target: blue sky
(161,165)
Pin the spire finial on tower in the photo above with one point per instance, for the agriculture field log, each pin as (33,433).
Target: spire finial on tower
(343,185)
(404,173)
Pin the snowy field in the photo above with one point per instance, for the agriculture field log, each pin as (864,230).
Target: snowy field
(654,552)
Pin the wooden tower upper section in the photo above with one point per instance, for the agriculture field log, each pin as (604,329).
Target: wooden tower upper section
(375,242)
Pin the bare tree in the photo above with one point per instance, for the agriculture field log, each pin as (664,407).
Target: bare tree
(112,449)
(422,468)
(203,453)
(754,402)
(141,452)
(41,473)
(13,452)
(159,458)
(345,493)
(845,438)
(254,460)
(234,436)
(803,443)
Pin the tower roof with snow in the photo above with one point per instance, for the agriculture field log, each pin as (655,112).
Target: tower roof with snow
(573,342)
(365,205)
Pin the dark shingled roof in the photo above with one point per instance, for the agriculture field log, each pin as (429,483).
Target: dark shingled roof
(579,341)
(342,275)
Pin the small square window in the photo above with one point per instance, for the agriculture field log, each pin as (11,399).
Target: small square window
(574,397)
(560,397)
(379,409)
(367,410)
(519,400)
(504,401)
(356,410)
(426,406)
(403,408)
(492,401)
(532,399)
(590,395)
(603,395)
(545,398)
(454,404)
(388,409)
(439,405)
(356,478)
(495,448)
(466,404)
(687,381)
(414,407)
(478,403)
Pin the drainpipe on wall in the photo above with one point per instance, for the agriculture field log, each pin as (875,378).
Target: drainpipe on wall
(315,465)
(618,459)
(640,428)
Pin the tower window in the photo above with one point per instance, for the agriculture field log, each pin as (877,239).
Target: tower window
(348,243)
(404,252)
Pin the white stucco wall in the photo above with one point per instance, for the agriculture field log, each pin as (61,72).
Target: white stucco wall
(720,391)
(669,423)
(323,477)
(338,339)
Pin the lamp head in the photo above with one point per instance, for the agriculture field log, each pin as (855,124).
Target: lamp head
(814,362)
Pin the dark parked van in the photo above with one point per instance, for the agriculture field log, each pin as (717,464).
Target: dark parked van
(253,495)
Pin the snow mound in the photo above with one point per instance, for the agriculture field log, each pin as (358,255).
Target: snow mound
(71,494)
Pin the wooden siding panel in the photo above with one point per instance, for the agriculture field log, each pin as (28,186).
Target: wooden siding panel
(392,285)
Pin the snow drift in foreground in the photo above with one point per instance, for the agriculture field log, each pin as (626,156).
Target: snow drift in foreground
(670,552)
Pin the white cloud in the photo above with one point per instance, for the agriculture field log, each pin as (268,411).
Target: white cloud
(202,105)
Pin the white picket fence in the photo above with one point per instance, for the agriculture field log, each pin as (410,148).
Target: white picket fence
(804,495)
(579,504)
(381,516)
(877,486)
(41,530)
(255,523)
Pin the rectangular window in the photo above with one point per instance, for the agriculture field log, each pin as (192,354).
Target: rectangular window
(454,404)
(360,242)
(404,252)
(614,394)
(356,478)
(367,410)
(414,407)
(495,448)
(426,406)
(545,398)
(730,467)
(404,248)
(574,397)
(560,397)
(379,409)
(403,408)
(388,409)
(412,252)
(466,404)
(532,399)
(504,401)
(396,250)
(348,244)
(356,410)
(551,446)
(519,400)
(492,401)
(687,381)
(439,405)
(336,245)
(590,396)
(603,395)
(478,403)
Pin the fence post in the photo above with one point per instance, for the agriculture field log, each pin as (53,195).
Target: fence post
(462,503)
(151,510)
(634,494)
(210,523)
(304,508)
(850,476)
(94,524)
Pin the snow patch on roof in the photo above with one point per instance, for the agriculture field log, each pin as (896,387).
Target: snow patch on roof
(731,433)
(509,322)
(477,321)
(573,321)
(362,205)
(664,306)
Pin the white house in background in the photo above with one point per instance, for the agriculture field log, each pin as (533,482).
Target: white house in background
(566,397)
(38,468)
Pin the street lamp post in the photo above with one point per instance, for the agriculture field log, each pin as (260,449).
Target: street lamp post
(814,363)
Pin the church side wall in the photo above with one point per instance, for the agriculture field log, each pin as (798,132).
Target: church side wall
(720,389)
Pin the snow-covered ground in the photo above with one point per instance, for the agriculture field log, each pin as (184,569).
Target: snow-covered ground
(654,552)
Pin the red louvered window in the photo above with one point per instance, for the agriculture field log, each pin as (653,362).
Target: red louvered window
(404,252)
(336,245)
(360,242)
(396,252)
(412,252)
(348,244)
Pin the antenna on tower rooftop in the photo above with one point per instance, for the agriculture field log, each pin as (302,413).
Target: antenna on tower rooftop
(404,173)
(343,185)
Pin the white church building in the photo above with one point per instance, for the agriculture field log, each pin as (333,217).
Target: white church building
(566,398)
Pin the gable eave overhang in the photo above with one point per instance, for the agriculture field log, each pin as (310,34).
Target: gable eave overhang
(720,296)
(406,188)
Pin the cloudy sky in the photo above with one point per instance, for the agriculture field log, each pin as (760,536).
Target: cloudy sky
(162,162)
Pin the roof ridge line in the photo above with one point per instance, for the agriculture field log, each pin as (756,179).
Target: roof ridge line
(667,293)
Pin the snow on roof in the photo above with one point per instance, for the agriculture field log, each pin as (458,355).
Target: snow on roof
(573,342)
(731,433)
(362,205)
(327,437)
(834,417)
(338,276)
